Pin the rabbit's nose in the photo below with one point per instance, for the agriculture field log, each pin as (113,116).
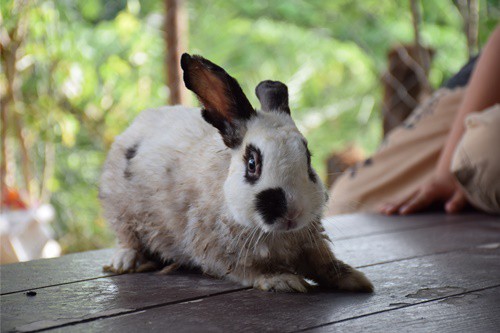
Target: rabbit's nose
(271,204)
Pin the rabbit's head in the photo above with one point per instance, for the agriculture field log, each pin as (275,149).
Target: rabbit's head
(270,181)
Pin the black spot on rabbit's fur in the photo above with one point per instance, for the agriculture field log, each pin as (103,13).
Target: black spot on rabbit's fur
(130,154)
(271,204)
(127,174)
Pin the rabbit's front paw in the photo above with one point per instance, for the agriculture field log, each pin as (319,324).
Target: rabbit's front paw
(281,282)
(339,275)
(355,281)
(123,261)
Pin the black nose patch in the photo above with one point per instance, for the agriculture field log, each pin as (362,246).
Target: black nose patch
(271,204)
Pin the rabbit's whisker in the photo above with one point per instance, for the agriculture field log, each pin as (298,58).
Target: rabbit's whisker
(243,247)
(237,240)
(257,242)
(255,231)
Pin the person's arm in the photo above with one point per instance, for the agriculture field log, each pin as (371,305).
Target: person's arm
(482,92)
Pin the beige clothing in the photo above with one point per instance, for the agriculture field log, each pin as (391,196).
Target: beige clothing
(407,159)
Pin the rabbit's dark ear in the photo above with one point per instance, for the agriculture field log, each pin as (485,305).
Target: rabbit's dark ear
(225,106)
(273,96)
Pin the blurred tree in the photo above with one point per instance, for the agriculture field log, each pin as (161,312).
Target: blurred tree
(176,44)
(470,13)
(11,40)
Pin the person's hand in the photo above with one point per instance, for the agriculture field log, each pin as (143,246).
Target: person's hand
(441,189)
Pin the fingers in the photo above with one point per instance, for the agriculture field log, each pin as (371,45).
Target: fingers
(419,202)
(415,202)
(387,209)
(456,203)
(422,199)
(393,208)
(390,208)
(438,190)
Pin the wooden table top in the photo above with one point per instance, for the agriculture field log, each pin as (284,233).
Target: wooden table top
(431,273)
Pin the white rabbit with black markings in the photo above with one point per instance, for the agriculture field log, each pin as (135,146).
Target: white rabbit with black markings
(230,191)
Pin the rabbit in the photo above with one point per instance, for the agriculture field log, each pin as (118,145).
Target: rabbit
(230,190)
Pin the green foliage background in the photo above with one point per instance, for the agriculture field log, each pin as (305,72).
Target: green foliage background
(87,68)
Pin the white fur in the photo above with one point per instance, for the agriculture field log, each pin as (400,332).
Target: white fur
(183,197)
(285,166)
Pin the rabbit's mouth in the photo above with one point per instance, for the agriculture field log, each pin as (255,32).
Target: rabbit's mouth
(290,224)
(285,225)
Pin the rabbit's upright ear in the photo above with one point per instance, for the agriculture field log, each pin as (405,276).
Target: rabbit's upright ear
(225,106)
(273,96)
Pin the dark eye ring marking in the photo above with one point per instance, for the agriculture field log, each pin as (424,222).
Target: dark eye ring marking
(310,172)
(253,164)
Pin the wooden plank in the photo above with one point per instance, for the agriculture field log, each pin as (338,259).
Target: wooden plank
(69,268)
(53,306)
(88,265)
(369,249)
(358,225)
(398,284)
(46,272)
(477,311)
(375,249)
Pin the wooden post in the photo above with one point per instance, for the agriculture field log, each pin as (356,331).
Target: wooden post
(10,43)
(176,42)
(422,56)
(470,13)
(3,148)
(472,27)
(403,88)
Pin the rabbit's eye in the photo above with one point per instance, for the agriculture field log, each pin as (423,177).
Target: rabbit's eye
(251,166)
(253,163)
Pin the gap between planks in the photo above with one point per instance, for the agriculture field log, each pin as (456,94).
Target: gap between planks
(199,298)
(395,308)
(358,266)
(369,234)
(141,309)
(428,225)
(59,284)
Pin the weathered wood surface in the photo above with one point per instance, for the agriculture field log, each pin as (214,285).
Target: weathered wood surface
(471,312)
(50,272)
(70,303)
(398,284)
(357,225)
(376,249)
(427,270)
